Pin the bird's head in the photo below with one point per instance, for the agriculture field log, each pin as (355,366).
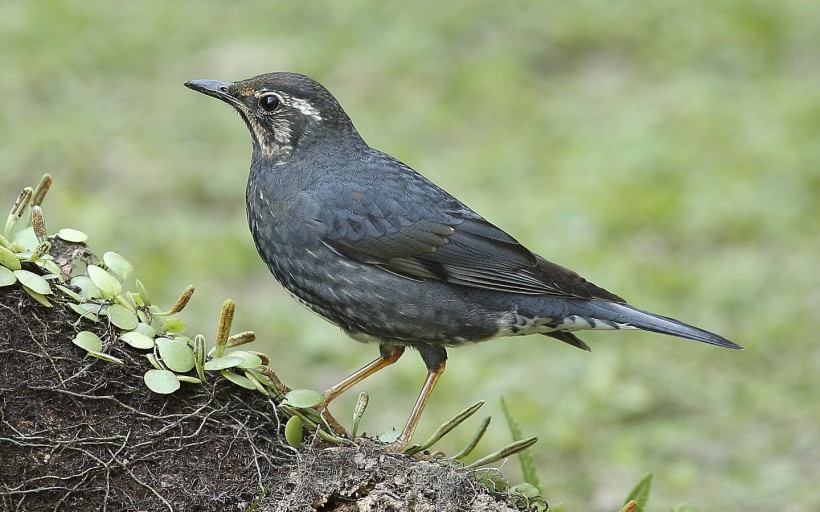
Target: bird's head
(283,111)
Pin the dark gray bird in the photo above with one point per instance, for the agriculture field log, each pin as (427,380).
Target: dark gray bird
(389,257)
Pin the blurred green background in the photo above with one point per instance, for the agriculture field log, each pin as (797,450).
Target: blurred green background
(668,151)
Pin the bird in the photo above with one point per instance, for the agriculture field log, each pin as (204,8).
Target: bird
(389,257)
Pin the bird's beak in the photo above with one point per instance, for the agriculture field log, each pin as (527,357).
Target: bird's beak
(215,88)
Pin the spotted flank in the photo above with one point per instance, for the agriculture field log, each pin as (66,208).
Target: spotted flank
(515,324)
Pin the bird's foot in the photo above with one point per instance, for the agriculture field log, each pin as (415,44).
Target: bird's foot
(335,427)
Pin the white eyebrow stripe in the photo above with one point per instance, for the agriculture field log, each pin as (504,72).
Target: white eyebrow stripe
(305,107)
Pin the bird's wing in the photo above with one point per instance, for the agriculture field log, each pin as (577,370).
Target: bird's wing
(441,240)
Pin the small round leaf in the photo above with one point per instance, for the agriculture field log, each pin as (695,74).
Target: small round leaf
(303,398)
(7,277)
(161,381)
(222,363)
(88,290)
(138,340)
(8,259)
(293,431)
(50,266)
(249,359)
(88,341)
(33,281)
(118,264)
(27,238)
(174,325)
(176,354)
(146,329)
(389,436)
(86,310)
(72,235)
(122,317)
(108,284)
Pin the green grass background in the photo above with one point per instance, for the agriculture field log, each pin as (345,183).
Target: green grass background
(668,151)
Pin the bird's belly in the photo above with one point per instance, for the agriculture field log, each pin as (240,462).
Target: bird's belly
(373,305)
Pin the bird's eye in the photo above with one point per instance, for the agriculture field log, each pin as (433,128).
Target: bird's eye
(269,102)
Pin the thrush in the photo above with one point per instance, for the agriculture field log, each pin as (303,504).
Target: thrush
(382,252)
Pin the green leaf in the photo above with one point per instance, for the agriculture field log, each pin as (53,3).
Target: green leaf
(154,361)
(70,293)
(105,357)
(109,285)
(239,380)
(640,493)
(200,353)
(526,490)
(122,317)
(161,381)
(176,354)
(174,325)
(525,459)
(146,329)
(88,341)
(8,259)
(127,299)
(39,297)
(33,282)
(143,292)
(444,429)
(27,238)
(256,382)
(138,340)
(249,360)
(7,277)
(303,398)
(189,379)
(88,290)
(358,412)
(293,431)
(72,235)
(87,310)
(482,428)
(503,453)
(49,265)
(118,265)
(222,363)
(389,436)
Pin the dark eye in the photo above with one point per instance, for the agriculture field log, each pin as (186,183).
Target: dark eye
(269,102)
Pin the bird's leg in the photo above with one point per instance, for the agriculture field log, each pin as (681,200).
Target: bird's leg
(415,415)
(389,355)
(435,358)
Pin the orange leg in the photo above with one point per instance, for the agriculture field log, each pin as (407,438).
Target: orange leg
(415,415)
(389,355)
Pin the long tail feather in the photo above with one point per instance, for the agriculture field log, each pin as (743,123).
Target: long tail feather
(635,317)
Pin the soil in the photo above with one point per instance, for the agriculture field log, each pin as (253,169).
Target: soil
(82,434)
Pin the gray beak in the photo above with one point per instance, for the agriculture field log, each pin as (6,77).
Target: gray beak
(213,88)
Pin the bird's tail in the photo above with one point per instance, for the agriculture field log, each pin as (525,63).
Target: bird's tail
(631,316)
